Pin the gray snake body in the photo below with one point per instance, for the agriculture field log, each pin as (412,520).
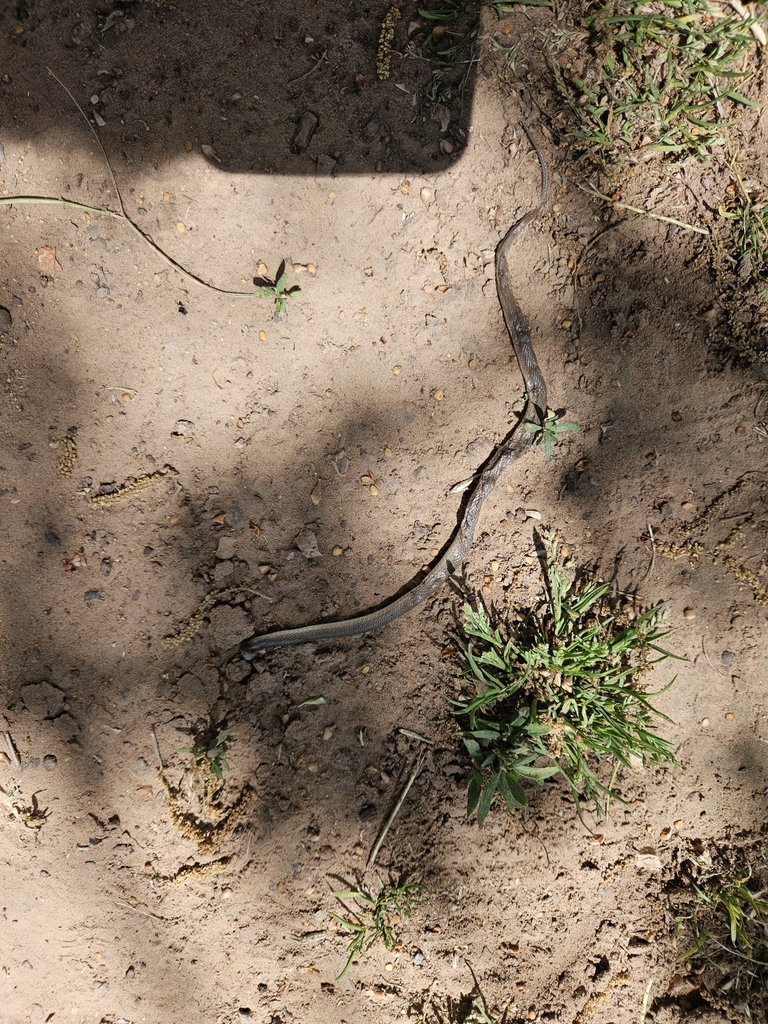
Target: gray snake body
(510,449)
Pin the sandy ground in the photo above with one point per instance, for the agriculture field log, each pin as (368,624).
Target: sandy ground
(140,898)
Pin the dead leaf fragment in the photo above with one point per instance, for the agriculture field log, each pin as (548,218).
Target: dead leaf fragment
(46,260)
(306,542)
(648,862)
(211,153)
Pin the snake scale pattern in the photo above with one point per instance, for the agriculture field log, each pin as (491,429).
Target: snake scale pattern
(506,453)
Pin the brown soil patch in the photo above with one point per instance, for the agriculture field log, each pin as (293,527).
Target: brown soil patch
(206,431)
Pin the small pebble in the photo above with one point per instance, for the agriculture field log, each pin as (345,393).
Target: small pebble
(130,973)
(729,716)
(311,268)
(44,873)
(565,324)
(226,892)
(396,370)
(689,613)
(188,146)
(337,550)
(166,196)
(426,196)
(374,490)
(4,759)
(126,397)
(180,228)
(262,335)
(741,430)
(387,453)
(727,658)
(365,669)
(678,824)
(328,732)
(50,761)
(705,723)
(439,395)
(687,505)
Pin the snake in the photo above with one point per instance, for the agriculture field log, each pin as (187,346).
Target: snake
(510,449)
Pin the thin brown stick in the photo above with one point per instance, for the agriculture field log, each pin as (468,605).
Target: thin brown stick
(122,215)
(98,141)
(395,811)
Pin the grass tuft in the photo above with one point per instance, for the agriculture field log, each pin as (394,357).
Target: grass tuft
(210,752)
(559,694)
(662,80)
(374,916)
(724,911)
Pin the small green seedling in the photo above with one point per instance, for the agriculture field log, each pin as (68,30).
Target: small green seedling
(276,290)
(211,755)
(376,915)
(559,693)
(550,430)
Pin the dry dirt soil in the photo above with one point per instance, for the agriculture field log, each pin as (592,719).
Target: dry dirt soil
(163,442)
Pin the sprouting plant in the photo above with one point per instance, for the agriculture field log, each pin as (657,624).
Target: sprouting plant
(211,755)
(276,290)
(559,693)
(550,430)
(726,913)
(31,814)
(376,915)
